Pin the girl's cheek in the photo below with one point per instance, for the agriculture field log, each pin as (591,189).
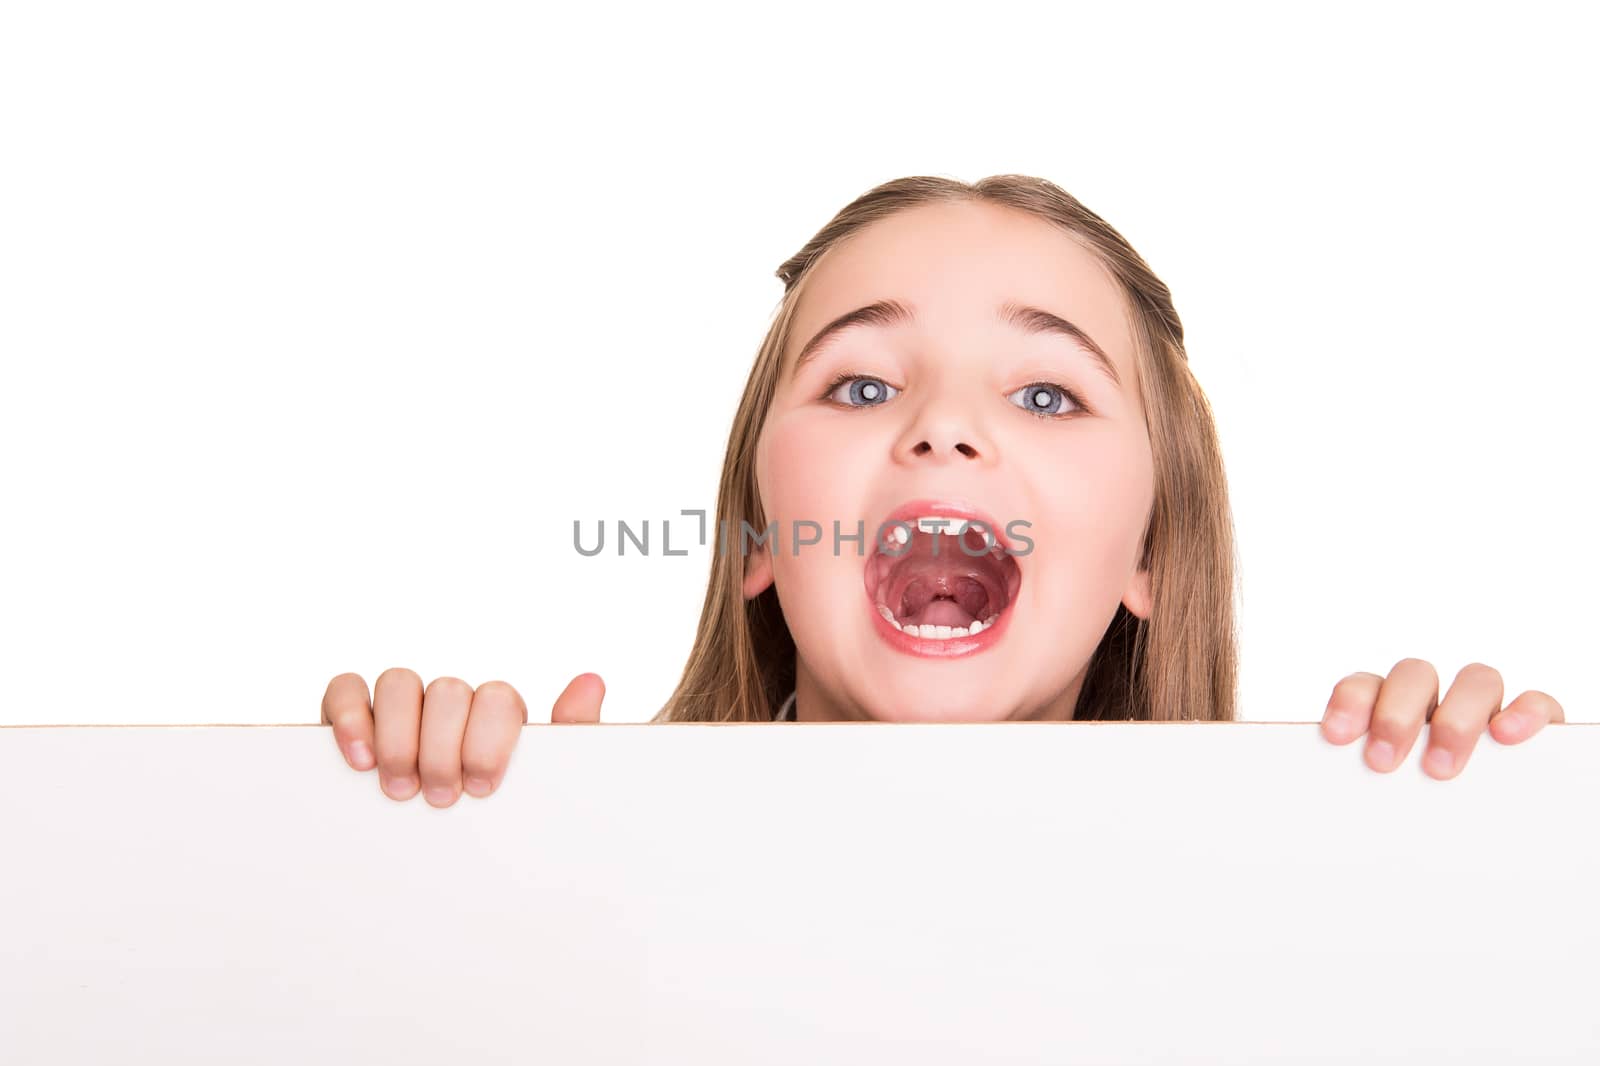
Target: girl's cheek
(817,473)
(1093,518)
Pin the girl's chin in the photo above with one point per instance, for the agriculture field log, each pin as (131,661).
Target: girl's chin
(932,715)
(936,700)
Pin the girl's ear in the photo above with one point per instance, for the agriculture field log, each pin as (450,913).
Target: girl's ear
(1137,598)
(757,571)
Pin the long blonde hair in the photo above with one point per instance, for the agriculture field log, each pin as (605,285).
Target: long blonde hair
(1180,663)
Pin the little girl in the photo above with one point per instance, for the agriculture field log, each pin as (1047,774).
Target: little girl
(971,478)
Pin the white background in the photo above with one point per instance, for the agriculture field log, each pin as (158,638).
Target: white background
(322,322)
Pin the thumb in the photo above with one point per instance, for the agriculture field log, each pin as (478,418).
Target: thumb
(580,700)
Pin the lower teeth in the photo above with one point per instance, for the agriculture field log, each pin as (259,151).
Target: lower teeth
(932,632)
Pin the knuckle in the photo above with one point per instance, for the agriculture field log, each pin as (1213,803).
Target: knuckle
(1355,692)
(1351,694)
(1420,666)
(400,673)
(436,785)
(503,693)
(499,689)
(392,764)
(439,767)
(1480,670)
(481,773)
(438,775)
(338,699)
(1449,734)
(1394,730)
(351,725)
(447,684)
(1546,703)
(486,764)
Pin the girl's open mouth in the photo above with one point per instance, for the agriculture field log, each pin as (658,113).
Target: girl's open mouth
(933,585)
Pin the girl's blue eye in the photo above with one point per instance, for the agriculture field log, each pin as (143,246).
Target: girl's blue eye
(1042,398)
(1039,399)
(868,391)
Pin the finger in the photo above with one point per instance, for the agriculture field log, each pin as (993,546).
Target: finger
(1525,716)
(444,722)
(345,706)
(1461,718)
(580,700)
(494,726)
(397,715)
(1350,707)
(1408,695)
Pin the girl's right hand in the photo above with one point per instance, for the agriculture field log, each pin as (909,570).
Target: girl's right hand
(447,736)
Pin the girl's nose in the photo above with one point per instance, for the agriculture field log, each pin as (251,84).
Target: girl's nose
(944,433)
(943,440)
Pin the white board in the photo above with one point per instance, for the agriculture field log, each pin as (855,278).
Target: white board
(805,893)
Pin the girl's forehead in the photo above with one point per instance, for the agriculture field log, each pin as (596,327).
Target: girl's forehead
(958,263)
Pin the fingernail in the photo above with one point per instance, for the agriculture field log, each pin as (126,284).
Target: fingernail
(441,795)
(1338,722)
(360,755)
(401,787)
(478,786)
(1380,753)
(1440,761)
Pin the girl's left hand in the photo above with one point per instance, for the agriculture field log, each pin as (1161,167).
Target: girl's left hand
(1393,710)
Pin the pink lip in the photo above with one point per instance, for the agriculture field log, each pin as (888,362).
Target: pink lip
(954,646)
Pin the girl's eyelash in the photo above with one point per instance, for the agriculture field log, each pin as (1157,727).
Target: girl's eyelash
(1077,401)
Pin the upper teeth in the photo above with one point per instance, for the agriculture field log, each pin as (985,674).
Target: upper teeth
(950,527)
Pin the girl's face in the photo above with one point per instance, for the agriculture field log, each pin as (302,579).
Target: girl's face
(977,400)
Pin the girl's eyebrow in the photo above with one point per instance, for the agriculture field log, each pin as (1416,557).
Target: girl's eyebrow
(1029,320)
